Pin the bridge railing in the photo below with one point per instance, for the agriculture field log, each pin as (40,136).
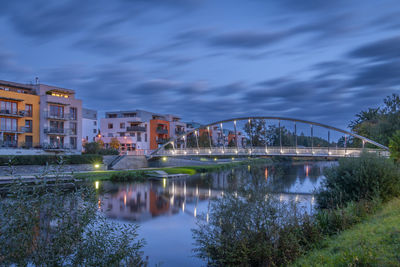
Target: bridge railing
(270,151)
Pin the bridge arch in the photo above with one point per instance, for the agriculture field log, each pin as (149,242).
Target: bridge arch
(158,152)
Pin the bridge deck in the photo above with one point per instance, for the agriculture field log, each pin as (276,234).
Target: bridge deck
(270,151)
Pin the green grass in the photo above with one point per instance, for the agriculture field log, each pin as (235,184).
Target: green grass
(190,170)
(375,242)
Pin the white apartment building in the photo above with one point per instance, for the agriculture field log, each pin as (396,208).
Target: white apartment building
(89,125)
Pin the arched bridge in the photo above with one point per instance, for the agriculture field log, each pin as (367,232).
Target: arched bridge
(258,138)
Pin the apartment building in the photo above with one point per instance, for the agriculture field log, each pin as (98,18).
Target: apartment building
(19,115)
(89,125)
(60,119)
(139,130)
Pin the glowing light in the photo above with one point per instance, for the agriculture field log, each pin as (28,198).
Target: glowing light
(248,167)
(234,122)
(164,158)
(281,198)
(195,212)
(197,152)
(209,192)
(125,199)
(307,170)
(209,151)
(164,181)
(96,184)
(97,166)
(183,206)
(99,204)
(233,158)
(281,151)
(297,198)
(223,152)
(184,152)
(236,151)
(266,174)
(215,159)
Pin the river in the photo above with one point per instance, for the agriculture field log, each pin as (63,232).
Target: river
(167,209)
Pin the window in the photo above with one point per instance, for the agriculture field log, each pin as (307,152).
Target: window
(73,142)
(28,110)
(8,107)
(95,123)
(73,112)
(122,125)
(73,126)
(28,126)
(145,137)
(133,134)
(121,134)
(57,111)
(7,124)
(57,125)
(139,137)
(111,115)
(94,131)
(56,141)
(110,126)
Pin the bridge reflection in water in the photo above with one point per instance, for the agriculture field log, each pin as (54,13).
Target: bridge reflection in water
(148,200)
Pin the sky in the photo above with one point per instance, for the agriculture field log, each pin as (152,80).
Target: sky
(208,60)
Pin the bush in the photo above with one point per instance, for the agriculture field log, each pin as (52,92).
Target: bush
(353,179)
(127,176)
(108,151)
(50,159)
(96,148)
(48,225)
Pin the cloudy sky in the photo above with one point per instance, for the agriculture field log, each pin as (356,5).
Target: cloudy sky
(209,59)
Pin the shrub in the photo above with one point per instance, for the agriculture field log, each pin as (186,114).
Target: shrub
(97,148)
(394,146)
(50,159)
(353,179)
(108,151)
(47,225)
(127,176)
(250,227)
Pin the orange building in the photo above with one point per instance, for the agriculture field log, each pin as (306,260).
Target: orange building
(19,115)
(159,132)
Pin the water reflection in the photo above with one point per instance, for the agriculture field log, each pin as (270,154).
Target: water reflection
(166,209)
(144,201)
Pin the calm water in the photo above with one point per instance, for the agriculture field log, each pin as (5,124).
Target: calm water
(166,209)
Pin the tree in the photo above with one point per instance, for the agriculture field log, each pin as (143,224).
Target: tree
(394,146)
(92,148)
(114,143)
(100,142)
(378,124)
(256,130)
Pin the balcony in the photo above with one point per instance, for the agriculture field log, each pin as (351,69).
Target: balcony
(55,131)
(12,113)
(160,130)
(55,147)
(24,129)
(55,116)
(179,132)
(161,140)
(8,130)
(8,144)
(136,129)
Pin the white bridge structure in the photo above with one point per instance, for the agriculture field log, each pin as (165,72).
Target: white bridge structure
(170,148)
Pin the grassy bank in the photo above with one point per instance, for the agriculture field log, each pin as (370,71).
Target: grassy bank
(375,242)
(143,174)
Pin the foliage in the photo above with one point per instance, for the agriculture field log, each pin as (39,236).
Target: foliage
(203,140)
(353,179)
(256,130)
(96,148)
(127,176)
(114,143)
(48,225)
(379,124)
(394,146)
(249,227)
(49,159)
(375,242)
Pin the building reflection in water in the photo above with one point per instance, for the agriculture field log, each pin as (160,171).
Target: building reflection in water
(144,201)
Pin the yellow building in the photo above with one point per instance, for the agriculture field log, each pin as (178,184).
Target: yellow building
(19,115)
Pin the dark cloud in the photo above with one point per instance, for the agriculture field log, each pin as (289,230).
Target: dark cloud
(377,75)
(246,39)
(108,45)
(387,49)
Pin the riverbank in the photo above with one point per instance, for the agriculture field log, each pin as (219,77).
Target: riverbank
(374,242)
(145,173)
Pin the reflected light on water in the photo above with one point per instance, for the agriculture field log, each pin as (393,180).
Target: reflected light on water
(307,170)
(183,206)
(164,180)
(96,184)
(125,199)
(195,212)
(266,174)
